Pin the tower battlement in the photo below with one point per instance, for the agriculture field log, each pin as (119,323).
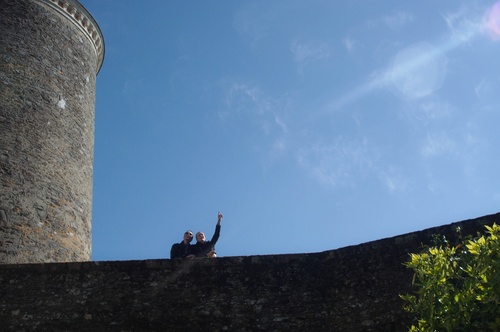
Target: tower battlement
(77,14)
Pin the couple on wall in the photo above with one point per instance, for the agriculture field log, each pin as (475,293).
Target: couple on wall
(202,248)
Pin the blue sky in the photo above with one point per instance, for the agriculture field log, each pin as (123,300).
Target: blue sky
(311,125)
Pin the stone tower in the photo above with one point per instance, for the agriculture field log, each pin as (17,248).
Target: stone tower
(50,54)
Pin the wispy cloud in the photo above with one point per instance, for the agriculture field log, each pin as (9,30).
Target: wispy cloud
(487,90)
(491,21)
(436,110)
(394,182)
(347,163)
(395,20)
(418,70)
(243,99)
(248,101)
(338,163)
(414,72)
(460,152)
(463,23)
(438,144)
(252,23)
(278,148)
(472,19)
(310,52)
(350,44)
(428,113)
(398,19)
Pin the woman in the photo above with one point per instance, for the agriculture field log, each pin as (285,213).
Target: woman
(204,248)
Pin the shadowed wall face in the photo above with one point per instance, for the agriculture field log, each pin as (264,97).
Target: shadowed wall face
(48,67)
(350,289)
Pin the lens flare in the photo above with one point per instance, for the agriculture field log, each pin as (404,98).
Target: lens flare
(491,21)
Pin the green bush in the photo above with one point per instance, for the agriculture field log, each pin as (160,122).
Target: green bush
(458,287)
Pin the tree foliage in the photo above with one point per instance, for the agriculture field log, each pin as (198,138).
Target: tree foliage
(458,286)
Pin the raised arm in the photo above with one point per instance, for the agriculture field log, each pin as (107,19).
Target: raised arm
(215,237)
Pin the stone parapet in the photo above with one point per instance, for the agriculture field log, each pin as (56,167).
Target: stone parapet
(350,289)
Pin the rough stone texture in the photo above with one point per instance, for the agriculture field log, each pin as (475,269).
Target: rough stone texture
(351,289)
(47,94)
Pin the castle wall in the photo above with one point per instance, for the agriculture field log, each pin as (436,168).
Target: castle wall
(350,289)
(48,65)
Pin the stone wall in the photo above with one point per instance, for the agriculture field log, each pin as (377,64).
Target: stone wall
(355,288)
(50,52)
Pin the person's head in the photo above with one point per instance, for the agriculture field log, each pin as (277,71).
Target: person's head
(200,237)
(188,236)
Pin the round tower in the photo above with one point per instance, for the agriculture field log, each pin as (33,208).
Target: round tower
(50,54)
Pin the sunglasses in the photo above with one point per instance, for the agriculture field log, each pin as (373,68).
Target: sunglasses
(188,233)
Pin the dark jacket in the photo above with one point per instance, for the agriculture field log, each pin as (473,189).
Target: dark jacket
(202,249)
(180,250)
